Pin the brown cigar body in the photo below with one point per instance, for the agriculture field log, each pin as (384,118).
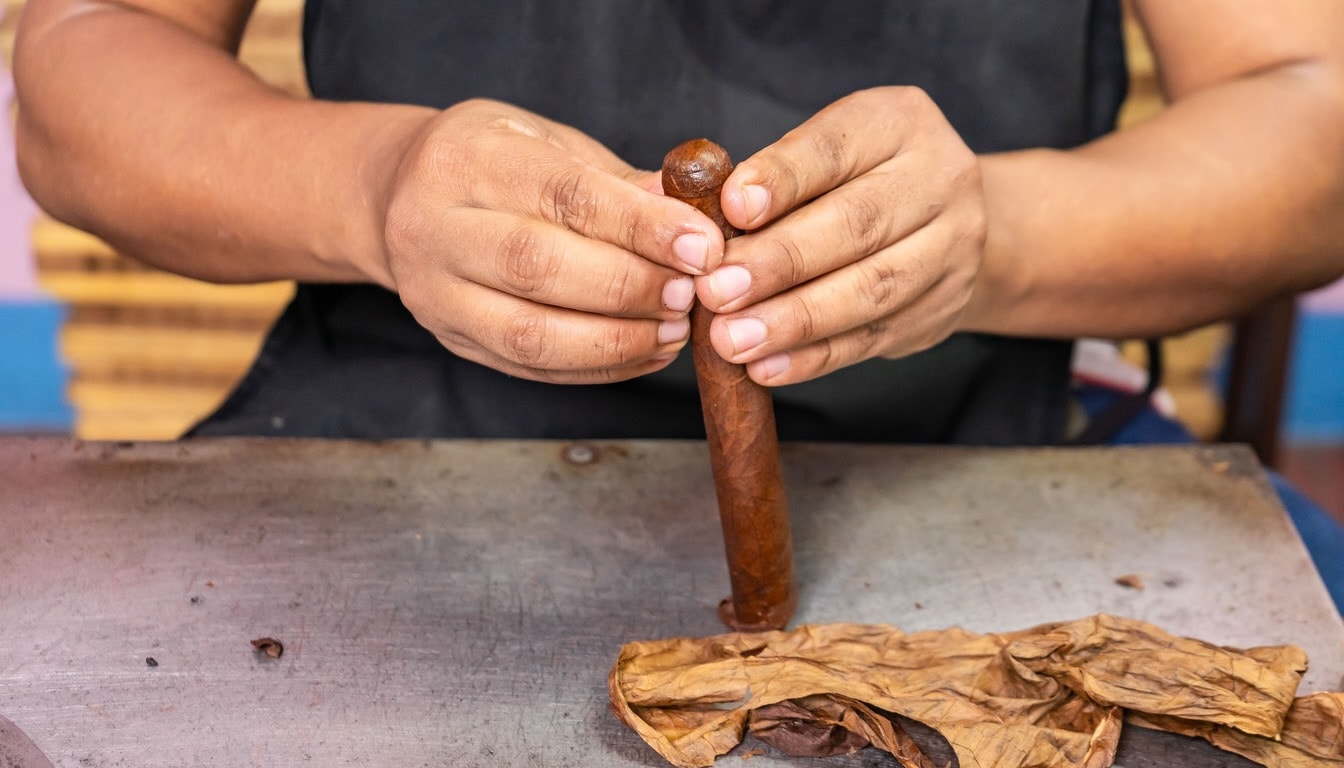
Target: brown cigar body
(740,427)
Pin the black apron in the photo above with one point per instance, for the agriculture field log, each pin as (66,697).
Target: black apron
(641,76)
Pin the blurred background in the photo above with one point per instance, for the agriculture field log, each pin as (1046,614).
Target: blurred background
(95,345)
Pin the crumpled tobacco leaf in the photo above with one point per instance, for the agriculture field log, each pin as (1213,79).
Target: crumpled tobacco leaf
(1313,734)
(1052,695)
(821,726)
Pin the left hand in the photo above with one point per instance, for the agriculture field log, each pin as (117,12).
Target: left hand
(876,233)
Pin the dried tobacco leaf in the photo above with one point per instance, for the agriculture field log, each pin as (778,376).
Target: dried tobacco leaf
(821,726)
(1053,695)
(1313,734)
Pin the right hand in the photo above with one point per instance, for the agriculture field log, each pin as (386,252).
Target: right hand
(527,246)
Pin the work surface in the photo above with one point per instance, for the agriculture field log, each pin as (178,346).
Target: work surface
(460,603)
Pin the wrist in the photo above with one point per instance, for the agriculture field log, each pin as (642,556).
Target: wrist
(1004,283)
(358,243)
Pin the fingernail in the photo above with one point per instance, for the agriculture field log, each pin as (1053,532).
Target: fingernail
(673,330)
(678,294)
(746,333)
(774,365)
(729,283)
(693,250)
(757,199)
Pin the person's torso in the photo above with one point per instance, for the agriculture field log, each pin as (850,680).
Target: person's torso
(641,76)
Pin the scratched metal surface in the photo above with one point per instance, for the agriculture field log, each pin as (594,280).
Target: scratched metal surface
(459,603)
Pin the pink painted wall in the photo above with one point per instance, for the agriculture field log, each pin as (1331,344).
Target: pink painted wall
(1325,301)
(18,274)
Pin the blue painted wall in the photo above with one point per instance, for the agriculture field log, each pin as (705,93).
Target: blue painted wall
(1314,412)
(32,378)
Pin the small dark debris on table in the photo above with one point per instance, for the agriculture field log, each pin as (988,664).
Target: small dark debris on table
(1130,581)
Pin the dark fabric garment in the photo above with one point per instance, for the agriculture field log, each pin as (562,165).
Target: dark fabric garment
(328,371)
(641,76)
(644,75)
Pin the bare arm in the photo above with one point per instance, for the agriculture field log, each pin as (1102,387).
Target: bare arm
(517,241)
(1231,196)
(136,123)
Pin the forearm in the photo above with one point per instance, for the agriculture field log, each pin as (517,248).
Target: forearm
(191,163)
(1231,196)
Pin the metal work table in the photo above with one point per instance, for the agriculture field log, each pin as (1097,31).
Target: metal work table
(460,603)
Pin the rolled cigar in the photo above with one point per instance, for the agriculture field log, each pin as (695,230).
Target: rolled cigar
(740,427)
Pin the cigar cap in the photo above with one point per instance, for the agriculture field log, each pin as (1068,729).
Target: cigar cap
(695,168)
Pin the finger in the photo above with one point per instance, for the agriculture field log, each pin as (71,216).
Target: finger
(841,142)
(914,328)
(550,265)
(842,227)
(836,302)
(600,375)
(514,334)
(651,181)
(592,376)
(585,192)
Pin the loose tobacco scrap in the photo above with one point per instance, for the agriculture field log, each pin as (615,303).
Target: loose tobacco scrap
(269,646)
(1053,695)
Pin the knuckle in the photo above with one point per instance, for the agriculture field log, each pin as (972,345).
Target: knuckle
(863,216)
(880,286)
(636,219)
(525,264)
(788,261)
(524,338)
(831,148)
(807,317)
(622,290)
(622,346)
(871,335)
(771,168)
(447,158)
(569,200)
(472,106)
(827,356)
(914,98)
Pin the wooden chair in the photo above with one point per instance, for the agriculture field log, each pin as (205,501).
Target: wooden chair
(1258,364)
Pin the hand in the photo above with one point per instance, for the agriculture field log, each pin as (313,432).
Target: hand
(526,246)
(876,233)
